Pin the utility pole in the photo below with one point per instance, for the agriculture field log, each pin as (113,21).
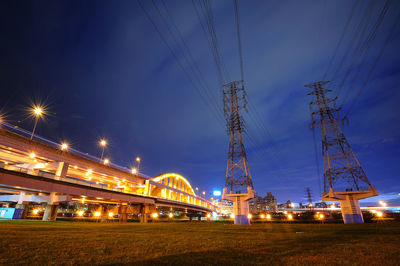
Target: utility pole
(238,184)
(344,179)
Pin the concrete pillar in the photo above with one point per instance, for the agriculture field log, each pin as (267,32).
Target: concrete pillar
(240,204)
(62,170)
(21,204)
(104,214)
(123,216)
(144,213)
(25,207)
(241,210)
(351,211)
(50,212)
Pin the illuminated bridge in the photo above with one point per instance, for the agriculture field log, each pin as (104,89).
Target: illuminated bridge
(39,171)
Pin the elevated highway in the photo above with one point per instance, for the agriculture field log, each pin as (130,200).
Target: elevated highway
(39,170)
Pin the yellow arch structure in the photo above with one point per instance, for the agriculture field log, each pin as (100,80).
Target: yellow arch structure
(175,181)
(175,187)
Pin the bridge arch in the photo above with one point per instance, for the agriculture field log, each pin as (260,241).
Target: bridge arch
(175,181)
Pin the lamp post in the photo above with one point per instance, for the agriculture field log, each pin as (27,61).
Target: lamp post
(103,144)
(138,163)
(37,112)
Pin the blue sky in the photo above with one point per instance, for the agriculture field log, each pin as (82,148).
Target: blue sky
(103,71)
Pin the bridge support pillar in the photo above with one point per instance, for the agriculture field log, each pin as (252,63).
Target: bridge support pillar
(62,170)
(25,207)
(144,213)
(104,214)
(123,216)
(22,204)
(50,213)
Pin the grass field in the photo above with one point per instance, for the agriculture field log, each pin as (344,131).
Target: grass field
(28,242)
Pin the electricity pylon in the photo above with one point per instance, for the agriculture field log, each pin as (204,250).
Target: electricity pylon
(344,179)
(238,184)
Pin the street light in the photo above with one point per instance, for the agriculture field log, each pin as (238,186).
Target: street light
(64,146)
(106,161)
(37,112)
(103,144)
(382,203)
(170,215)
(138,163)
(134,170)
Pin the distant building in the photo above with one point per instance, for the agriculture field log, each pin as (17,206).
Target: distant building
(224,207)
(321,205)
(260,204)
(287,205)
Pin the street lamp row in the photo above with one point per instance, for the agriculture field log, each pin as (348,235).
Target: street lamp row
(38,112)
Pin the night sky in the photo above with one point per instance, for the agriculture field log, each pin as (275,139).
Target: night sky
(102,70)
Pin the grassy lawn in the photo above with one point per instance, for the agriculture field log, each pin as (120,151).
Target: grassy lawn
(28,242)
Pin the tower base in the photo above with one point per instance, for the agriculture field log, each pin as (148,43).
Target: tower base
(240,204)
(349,205)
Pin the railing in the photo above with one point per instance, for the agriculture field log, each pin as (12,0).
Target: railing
(27,134)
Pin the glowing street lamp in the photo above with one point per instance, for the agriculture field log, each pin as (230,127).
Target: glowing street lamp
(80,213)
(170,215)
(155,215)
(268,216)
(64,146)
(138,163)
(379,214)
(110,214)
(290,217)
(103,144)
(37,112)
(232,216)
(106,161)
(134,171)
(382,203)
(262,216)
(35,211)
(249,216)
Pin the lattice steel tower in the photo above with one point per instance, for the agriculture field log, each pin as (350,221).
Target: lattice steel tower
(344,179)
(238,184)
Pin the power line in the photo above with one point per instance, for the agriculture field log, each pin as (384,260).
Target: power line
(376,61)
(341,38)
(363,52)
(173,53)
(189,59)
(235,2)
